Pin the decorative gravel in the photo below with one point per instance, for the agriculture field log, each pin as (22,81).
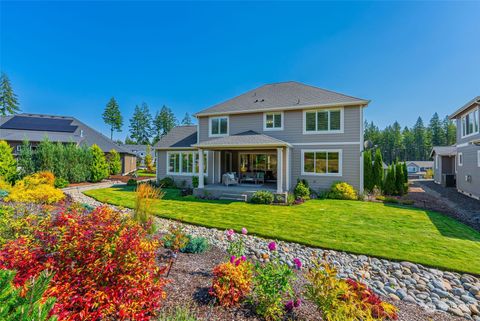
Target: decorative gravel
(403,283)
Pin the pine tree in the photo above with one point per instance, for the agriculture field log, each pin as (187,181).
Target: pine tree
(44,156)
(187,120)
(368,171)
(405,176)
(99,165)
(378,169)
(419,135)
(8,165)
(436,131)
(25,160)
(114,162)
(8,99)
(129,141)
(450,131)
(164,122)
(112,116)
(389,186)
(141,125)
(399,179)
(409,144)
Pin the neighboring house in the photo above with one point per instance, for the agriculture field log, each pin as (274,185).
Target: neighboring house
(444,168)
(271,136)
(418,169)
(35,127)
(140,151)
(468,148)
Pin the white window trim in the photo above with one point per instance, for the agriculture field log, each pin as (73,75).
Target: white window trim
(340,162)
(436,161)
(274,128)
(210,134)
(478,158)
(460,159)
(194,173)
(478,123)
(315,132)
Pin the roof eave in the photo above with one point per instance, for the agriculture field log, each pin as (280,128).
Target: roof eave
(242,146)
(465,107)
(362,103)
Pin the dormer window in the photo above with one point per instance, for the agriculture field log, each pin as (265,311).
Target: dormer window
(218,126)
(273,121)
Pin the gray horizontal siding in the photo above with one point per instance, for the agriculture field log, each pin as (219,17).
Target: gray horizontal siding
(350,167)
(470,167)
(293,127)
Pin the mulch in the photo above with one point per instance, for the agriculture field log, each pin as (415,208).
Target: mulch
(191,277)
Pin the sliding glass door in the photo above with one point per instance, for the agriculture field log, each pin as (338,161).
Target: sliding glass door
(259,162)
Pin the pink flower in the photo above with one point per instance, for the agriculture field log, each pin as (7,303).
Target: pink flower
(272,246)
(289,306)
(244,231)
(297,262)
(297,303)
(232,258)
(237,262)
(243,258)
(230,234)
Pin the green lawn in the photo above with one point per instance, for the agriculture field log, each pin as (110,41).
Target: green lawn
(393,232)
(142,172)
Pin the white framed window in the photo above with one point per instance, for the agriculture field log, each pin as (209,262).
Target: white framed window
(323,121)
(478,158)
(185,163)
(460,159)
(322,162)
(436,161)
(218,126)
(470,125)
(273,121)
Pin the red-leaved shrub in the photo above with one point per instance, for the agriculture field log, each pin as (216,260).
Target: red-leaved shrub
(104,265)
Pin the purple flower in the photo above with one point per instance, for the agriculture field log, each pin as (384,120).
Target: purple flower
(297,262)
(243,258)
(297,303)
(237,262)
(244,231)
(272,246)
(232,258)
(289,306)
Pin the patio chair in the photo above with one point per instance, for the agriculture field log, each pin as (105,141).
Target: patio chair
(248,177)
(260,178)
(229,179)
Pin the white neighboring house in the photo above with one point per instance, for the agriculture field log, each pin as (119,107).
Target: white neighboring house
(141,152)
(418,169)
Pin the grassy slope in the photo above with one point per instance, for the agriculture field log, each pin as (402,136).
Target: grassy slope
(394,232)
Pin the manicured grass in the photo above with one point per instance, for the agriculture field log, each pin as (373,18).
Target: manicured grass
(389,231)
(142,172)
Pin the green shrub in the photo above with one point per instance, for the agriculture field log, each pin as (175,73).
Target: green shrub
(387,199)
(61,182)
(8,165)
(342,191)
(167,182)
(301,191)
(407,202)
(131,182)
(262,197)
(114,162)
(25,160)
(45,156)
(290,199)
(195,245)
(99,166)
(178,313)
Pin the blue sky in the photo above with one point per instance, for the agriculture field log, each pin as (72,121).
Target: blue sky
(69,58)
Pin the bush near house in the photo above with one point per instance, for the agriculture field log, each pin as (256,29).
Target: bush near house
(301,191)
(99,166)
(262,197)
(342,191)
(36,188)
(114,162)
(8,165)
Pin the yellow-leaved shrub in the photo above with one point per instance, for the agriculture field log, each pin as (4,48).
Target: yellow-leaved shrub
(5,186)
(342,191)
(36,188)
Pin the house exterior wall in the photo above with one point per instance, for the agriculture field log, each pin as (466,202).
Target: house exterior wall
(468,174)
(129,163)
(444,165)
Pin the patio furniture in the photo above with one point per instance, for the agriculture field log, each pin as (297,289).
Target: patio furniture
(229,179)
(248,177)
(260,178)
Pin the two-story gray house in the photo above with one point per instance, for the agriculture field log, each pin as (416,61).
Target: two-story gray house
(269,137)
(468,148)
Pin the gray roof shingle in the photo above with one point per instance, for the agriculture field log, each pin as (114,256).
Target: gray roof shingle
(289,95)
(179,137)
(248,138)
(444,150)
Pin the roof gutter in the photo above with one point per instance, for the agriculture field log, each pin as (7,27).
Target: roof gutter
(242,146)
(362,103)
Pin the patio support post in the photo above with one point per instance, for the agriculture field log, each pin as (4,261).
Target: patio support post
(279,170)
(201,175)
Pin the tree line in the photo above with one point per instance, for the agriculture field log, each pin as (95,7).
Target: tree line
(411,143)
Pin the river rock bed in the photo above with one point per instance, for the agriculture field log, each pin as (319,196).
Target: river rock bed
(432,289)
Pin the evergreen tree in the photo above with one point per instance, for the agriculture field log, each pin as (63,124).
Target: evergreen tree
(368,171)
(389,186)
(141,125)
(378,169)
(164,122)
(8,99)
(114,162)
(44,156)
(397,137)
(409,144)
(450,131)
(112,116)
(372,133)
(437,131)
(419,136)
(25,160)
(187,120)
(8,165)
(129,141)
(405,176)
(60,165)
(399,179)
(99,165)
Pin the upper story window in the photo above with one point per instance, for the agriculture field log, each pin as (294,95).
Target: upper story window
(273,121)
(323,121)
(470,124)
(218,126)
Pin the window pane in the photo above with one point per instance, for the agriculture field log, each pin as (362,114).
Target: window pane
(335,120)
(269,121)
(177,163)
(321,162)
(333,163)
(322,120)
(215,126)
(223,125)
(171,162)
(308,162)
(278,121)
(310,121)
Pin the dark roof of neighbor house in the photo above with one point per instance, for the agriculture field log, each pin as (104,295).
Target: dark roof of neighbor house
(426,164)
(471,103)
(64,129)
(282,95)
(444,150)
(179,137)
(248,138)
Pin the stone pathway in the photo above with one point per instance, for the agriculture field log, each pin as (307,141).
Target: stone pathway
(432,289)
